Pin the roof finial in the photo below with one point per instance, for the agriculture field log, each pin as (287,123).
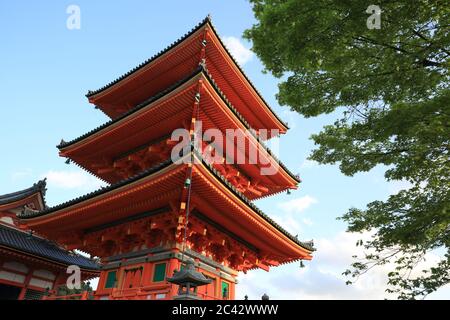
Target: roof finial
(40,183)
(208,17)
(30,234)
(310,243)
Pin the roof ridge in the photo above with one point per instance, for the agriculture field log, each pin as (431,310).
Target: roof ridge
(246,124)
(9,241)
(139,106)
(101,190)
(39,186)
(206,20)
(154,98)
(245,75)
(142,174)
(200,69)
(149,60)
(251,204)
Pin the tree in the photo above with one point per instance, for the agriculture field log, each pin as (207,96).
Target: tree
(63,290)
(390,89)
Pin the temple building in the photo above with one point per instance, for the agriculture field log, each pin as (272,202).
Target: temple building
(159,215)
(32,266)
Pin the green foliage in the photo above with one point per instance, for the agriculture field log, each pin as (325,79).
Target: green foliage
(65,291)
(391,86)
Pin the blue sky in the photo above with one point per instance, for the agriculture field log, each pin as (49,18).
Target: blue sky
(46,70)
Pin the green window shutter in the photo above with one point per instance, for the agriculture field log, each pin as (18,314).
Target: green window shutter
(225,290)
(160,272)
(111,280)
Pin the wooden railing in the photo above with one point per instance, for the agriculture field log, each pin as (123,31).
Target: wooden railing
(142,293)
(149,293)
(78,296)
(205,296)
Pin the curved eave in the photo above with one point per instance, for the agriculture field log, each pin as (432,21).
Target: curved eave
(35,197)
(33,218)
(280,122)
(93,95)
(90,271)
(19,198)
(67,146)
(241,119)
(252,206)
(17,240)
(63,146)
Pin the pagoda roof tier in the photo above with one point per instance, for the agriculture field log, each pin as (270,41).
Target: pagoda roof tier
(35,194)
(141,136)
(14,240)
(152,190)
(201,45)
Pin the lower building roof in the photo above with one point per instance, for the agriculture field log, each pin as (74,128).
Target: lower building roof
(34,245)
(39,186)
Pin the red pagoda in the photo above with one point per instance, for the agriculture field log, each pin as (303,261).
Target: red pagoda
(157,213)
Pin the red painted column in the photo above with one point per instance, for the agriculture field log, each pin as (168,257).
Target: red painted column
(232,291)
(25,285)
(173,265)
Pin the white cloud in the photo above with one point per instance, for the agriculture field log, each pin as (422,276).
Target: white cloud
(238,50)
(17,175)
(396,186)
(289,222)
(322,277)
(72,179)
(292,117)
(307,164)
(297,205)
(288,214)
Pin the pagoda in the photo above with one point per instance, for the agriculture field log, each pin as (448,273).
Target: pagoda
(158,213)
(30,265)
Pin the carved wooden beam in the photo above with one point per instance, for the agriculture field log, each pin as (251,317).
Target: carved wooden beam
(106,170)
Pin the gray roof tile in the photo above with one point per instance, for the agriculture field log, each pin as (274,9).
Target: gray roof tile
(31,244)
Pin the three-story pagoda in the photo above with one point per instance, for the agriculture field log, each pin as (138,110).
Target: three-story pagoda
(157,212)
